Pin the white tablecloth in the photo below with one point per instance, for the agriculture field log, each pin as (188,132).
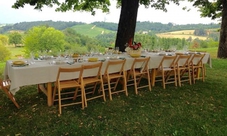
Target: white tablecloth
(43,72)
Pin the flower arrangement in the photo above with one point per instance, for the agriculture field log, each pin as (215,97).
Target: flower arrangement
(133,46)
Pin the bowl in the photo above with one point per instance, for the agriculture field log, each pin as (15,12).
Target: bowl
(134,55)
(92,59)
(19,62)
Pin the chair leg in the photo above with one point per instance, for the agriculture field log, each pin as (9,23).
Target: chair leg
(59,101)
(125,86)
(175,78)
(54,95)
(75,94)
(103,91)
(149,81)
(179,77)
(109,88)
(163,80)
(116,83)
(10,96)
(135,84)
(84,96)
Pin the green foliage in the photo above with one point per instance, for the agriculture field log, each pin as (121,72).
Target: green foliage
(15,38)
(5,53)
(107,39)
(24,26)
(203,44)
(4,39)
(211,43)
(212,9)
(43,39)
(200,32)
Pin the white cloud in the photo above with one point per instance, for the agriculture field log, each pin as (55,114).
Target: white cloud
(175,14)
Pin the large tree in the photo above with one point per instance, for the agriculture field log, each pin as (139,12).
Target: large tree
(214,10)
(15,38)
(43,39)
(128,16)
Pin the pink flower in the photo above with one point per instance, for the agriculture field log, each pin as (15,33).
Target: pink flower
(135,46)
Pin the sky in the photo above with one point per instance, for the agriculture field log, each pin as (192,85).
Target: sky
(175,15)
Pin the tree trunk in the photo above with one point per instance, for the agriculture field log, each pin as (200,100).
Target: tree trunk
(127,23)
(222,49)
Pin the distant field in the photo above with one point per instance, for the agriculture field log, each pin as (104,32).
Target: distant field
(16,51)
(181,34)
(90,30)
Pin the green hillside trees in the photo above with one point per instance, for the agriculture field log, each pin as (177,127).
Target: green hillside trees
(4,39)
(43,39)
(15,38)
(5,53)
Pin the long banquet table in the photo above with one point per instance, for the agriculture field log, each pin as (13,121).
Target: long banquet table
(45,72)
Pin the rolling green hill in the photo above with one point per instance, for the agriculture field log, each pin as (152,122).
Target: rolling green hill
(90,30)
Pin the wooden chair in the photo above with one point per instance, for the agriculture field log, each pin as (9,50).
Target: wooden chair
(202,52)
(183,69)
(138,71)
(5,86)
(197,67)
(63,86)
(114,73)
(90,83)
(165,70)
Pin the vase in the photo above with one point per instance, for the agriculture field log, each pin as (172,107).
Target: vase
(135,53)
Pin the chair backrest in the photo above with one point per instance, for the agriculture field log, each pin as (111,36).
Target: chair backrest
(141,63)
(114,66)
(3,84)
(197,59)
(69,73)
(167,61)
(182,60)
(93,70)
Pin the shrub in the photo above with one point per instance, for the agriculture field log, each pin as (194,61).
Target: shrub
(5,53)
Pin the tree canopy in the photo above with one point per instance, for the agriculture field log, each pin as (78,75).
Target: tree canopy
(15,38)
(43,39)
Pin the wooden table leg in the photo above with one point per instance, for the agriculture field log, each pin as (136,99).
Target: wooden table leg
(47,91)
(153,74)
(49,94)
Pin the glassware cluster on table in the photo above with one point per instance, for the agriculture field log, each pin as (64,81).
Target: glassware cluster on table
(70,58)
